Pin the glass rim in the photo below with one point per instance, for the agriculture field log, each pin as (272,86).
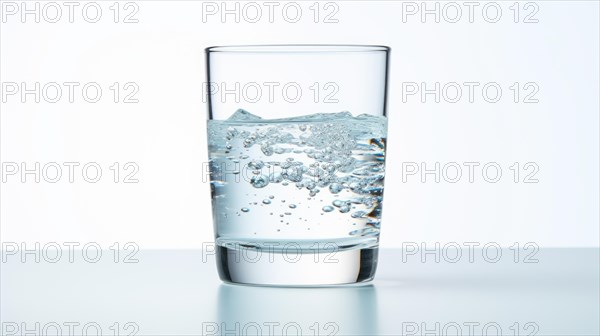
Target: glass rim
(298,48)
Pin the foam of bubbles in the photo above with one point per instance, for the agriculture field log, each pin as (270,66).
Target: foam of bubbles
(334,153)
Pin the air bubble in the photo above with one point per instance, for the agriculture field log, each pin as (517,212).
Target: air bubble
(328,208)
(259,181)
(344,209)
(292,206)
(293,174)
(245,209)
(267,201)
(358,214)
(335,188)
(256,164)
(266,149)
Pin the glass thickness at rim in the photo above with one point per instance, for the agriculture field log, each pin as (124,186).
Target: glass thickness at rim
(299,48)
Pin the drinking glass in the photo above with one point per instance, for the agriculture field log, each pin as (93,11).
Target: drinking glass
(296,142)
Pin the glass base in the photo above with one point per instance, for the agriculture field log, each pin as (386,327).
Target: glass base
(292,269)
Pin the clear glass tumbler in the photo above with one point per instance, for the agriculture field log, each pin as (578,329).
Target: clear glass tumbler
(297,137)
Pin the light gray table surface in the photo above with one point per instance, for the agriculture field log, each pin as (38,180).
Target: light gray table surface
(177,292)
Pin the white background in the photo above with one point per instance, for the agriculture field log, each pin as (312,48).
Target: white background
(164,133)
